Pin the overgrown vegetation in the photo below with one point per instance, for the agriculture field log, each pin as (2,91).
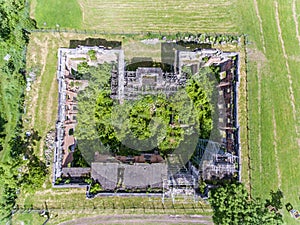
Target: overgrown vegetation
(78,159)
(160,120)
(2,132)
(15,172)
(23,171)
(92,54)
(95,188)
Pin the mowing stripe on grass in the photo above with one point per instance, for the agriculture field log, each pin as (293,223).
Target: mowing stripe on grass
(296,21)
(260,26)
(157,15)
(275,149)
(292,96)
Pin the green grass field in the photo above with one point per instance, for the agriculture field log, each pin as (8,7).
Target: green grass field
(273,70)
(50,13)
(137,15)
(272,83)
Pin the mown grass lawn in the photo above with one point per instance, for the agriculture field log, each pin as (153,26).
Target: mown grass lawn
(65,13)
(274,148)
(137,15)
(157,15)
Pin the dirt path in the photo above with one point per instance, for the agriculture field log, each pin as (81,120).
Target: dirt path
(260,25)
(33,4)
(50,104)
(276,149)
(142,219)
(34,104)
(44,54)
(51,98)
(296,21)
(289,76)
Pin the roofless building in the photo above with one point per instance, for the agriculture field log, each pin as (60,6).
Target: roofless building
(213,160)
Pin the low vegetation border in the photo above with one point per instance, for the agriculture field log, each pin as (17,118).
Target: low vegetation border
(146,34)
(60,211)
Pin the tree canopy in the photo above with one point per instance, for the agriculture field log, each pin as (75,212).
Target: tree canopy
(151,121)
(232,205)
(14,23)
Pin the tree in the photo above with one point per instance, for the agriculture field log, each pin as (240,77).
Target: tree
(232,205)
(146,123)
(10,181)
(2,130)
(92,54)
(200,89)
(79,160)
(275,200)
(83,68)
(93,132)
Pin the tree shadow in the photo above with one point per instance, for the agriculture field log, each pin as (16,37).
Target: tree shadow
(274,204)
(288,206)
(32,137)
(276,199)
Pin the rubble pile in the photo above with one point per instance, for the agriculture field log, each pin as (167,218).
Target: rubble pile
(49,146)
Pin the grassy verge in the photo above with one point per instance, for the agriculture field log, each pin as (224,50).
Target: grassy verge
(28,219)
(70,204)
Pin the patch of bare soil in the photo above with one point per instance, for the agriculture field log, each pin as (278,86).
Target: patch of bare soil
(295,57)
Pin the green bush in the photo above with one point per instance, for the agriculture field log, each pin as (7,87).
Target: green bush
(67,181)
(88,180)
(58,180)
(202,185)
(95,188)
(92,54)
